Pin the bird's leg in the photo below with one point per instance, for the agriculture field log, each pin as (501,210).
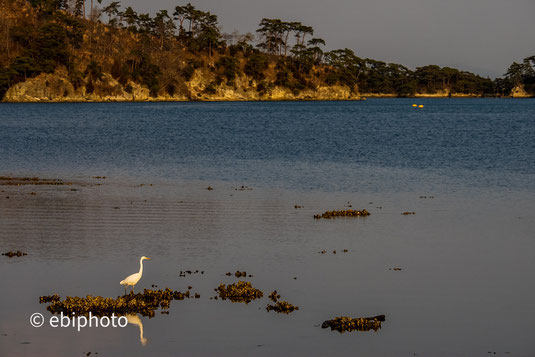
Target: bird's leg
(125,291)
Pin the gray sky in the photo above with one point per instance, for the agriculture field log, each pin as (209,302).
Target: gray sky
(482,36)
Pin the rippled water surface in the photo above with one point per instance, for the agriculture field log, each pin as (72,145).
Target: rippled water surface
(466,167)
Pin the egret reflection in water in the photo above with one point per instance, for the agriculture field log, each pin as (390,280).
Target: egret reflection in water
(135,320)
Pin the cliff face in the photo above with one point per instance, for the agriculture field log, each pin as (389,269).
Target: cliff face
(56,87)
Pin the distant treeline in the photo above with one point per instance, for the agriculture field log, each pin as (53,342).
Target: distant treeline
(164,50)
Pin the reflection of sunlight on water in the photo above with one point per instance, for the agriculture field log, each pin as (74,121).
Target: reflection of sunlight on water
(135,320)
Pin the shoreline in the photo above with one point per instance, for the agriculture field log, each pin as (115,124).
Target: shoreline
(175,100)
(56,88)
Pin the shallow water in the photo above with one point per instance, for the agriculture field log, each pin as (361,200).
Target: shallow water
(467,255)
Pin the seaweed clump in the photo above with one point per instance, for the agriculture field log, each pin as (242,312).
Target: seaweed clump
(274,296)
(18,253)
(242,291)
(20,181)
(283,307)
(243,188)
(343,324)
(49,298)
(239,274)
(280,306)
(189,272)
(343,213)
(142,303)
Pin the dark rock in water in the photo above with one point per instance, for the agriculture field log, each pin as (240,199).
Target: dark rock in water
(343,213)
(18,253)
(189,272)
(407,213)
(243,188)
(343,324)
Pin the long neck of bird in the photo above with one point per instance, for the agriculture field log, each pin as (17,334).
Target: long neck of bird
(141,266)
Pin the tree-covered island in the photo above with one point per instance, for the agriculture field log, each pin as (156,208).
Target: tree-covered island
(85,50)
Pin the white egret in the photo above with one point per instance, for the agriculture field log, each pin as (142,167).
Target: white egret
(134,278)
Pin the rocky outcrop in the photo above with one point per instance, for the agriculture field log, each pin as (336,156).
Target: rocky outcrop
(56,87)
(520,92)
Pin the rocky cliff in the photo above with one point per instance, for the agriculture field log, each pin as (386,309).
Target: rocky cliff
(56,87)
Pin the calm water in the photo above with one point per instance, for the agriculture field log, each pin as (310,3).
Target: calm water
(467,256)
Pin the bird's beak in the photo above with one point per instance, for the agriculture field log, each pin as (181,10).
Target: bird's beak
(147,258)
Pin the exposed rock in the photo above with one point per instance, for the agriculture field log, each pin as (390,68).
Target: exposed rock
(519,92)
(56,87)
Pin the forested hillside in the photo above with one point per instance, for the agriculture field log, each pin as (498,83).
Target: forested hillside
(85,50)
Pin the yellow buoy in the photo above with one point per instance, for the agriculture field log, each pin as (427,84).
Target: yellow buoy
(421,106)
(415,105)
